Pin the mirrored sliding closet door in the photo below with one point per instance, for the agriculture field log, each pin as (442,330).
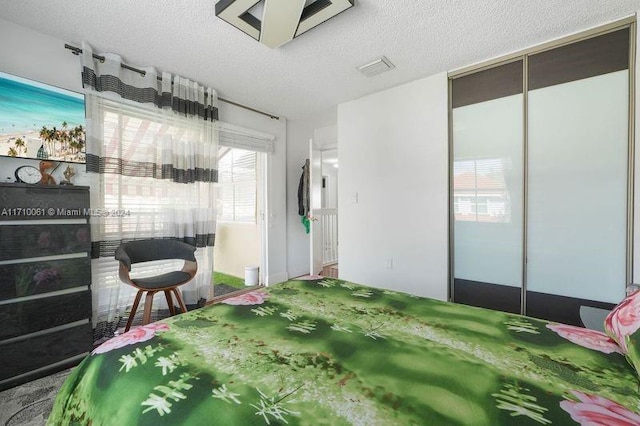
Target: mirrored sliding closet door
(578,127)
(487,114)
(540,179)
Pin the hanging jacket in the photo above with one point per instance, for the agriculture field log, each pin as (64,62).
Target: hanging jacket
(303,190)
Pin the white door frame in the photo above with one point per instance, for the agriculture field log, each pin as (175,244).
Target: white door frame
(263,214)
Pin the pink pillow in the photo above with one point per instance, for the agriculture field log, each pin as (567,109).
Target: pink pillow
(622,325)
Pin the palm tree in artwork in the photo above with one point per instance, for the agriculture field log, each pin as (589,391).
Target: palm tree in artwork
(79,137)
(19,145)
(55,137)
(76,138)
(13,152)
(64,136)
(45,135)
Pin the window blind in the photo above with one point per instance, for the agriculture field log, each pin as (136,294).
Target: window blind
(237,186)
(238,137)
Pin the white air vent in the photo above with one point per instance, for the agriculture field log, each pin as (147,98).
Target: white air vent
(376,66)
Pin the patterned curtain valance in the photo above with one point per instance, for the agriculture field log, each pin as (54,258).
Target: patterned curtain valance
(172,92)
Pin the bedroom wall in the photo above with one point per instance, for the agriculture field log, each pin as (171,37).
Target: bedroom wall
(237,246)
(37,56)
(30,54)
(393,188)
(298,134)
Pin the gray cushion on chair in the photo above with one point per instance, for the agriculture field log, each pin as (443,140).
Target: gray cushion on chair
(155,249)
(164,280)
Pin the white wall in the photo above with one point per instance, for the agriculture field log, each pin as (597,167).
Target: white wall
(30,54)
(394,155)
(298,134)
(237,246)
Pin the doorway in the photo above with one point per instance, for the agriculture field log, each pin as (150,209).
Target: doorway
(238,253)
(324,211)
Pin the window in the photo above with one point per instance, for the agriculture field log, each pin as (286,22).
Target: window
(237,185)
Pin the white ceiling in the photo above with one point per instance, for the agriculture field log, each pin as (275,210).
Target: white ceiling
(318,70)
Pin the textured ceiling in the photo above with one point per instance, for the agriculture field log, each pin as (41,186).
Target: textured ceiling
(318,70)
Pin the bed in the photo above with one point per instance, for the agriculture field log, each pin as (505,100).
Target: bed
(327,351)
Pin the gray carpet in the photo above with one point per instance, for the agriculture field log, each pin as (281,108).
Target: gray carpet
(220,289)
(31,403)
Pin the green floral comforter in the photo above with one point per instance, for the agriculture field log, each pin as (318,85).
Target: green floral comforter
(332,352)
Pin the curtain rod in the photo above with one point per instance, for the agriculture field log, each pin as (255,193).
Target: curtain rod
(76,51)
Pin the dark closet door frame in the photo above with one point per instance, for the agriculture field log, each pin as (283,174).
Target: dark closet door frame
(523,55)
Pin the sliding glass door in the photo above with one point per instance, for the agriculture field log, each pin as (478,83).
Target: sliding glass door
(487,119)
(539,179)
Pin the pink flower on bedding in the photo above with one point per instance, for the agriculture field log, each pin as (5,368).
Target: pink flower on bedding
(624,320)
(309,278)
(596,410)
(587,338)
(135,335)
(252,298)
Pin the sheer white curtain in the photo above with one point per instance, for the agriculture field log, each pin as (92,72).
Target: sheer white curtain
(151,158)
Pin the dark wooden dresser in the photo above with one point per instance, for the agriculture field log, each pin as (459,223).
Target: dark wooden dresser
(45,279)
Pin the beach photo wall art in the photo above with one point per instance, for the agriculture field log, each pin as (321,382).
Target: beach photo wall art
(40,121)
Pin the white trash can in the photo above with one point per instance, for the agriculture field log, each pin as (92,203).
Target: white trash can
(251,275)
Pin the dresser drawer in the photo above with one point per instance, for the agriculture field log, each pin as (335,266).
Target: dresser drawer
(31,315)
(19,357)
(44,238)
(19,202)
(29,278)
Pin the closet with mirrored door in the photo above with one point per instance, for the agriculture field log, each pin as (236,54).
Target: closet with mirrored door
(540,184)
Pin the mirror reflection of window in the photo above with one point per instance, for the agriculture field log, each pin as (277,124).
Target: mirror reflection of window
(480,192)
(329,184)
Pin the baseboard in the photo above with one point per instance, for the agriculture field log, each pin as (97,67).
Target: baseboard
(299,272)
(550,307)
(485,295)
(278,278)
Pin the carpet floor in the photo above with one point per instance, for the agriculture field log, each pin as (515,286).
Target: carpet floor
(220,289)
(30,404)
